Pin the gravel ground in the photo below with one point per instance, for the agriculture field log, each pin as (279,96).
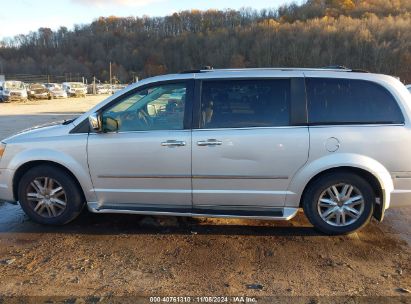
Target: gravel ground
(105,257)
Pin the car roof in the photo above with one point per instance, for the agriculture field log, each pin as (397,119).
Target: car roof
(267,72)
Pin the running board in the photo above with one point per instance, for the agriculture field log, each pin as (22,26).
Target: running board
(278,213)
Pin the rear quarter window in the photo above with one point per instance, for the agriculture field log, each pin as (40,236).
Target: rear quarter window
(350,101)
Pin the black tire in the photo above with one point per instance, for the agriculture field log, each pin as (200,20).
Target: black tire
(317,188)
(72,195)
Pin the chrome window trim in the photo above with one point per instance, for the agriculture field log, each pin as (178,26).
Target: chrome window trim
(213,129)
(357,125)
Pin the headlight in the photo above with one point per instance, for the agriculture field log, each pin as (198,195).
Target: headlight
(6,92)
(2,149)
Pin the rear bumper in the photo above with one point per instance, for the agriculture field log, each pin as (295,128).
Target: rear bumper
(400,198)
(6,186)
(401,195)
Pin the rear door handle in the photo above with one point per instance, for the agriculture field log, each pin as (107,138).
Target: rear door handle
(173,143)
(209,142)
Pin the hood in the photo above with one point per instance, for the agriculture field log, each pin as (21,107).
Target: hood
(46,130)
(15,90)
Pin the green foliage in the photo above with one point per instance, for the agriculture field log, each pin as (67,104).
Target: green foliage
(374,35)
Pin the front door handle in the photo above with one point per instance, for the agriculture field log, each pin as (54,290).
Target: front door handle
(209,142)
(173,143)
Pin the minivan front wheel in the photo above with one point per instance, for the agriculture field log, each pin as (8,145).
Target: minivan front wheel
(339,203)
(49,195)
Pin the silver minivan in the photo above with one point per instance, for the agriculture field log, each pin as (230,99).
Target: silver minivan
(252,143)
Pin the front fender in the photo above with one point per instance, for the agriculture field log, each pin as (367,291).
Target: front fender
(338,160)
(74,161)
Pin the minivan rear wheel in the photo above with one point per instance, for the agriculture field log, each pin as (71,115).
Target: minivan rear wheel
(339,203)
(49,195)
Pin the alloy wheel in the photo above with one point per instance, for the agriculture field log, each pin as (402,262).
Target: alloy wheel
(340,205)
(46,197)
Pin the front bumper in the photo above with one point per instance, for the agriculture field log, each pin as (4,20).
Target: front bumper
(14,98)
(6,186)
(59,96)
(77,93)
(39,96)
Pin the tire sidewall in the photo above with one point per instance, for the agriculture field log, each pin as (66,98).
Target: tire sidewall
(74,197)
(311,198)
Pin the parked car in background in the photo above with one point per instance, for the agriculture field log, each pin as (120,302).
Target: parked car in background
(117,87)
(103,89)
(12,90)
(98,89)
(75,89)
(56,90)
(38,91)
(409,87)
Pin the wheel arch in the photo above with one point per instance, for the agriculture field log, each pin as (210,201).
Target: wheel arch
(366,175)
(35,163)
(368,168)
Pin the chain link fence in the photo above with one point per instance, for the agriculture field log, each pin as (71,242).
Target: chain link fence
(30,78)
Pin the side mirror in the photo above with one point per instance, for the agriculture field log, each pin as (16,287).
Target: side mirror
(95,122)
(110,124)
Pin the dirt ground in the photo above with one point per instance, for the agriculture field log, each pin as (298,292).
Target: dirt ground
(115,258)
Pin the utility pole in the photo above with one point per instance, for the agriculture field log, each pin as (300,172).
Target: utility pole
(94,85)
(110,75)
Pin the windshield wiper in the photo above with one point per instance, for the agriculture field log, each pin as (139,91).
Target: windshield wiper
(68,121)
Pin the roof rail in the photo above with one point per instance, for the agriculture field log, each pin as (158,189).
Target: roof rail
(342,67)
(335,68)
(206,68)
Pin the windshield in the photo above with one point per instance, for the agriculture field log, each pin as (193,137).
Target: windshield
(36,87)
(76,85)
(16,85)
(55,87)
(139,100)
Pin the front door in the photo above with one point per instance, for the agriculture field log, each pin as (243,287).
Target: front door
(247,147)
(146,164)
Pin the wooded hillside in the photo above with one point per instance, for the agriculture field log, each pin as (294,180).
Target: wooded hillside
(372,34)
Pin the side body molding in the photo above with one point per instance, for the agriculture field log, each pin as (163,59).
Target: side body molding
(338,160)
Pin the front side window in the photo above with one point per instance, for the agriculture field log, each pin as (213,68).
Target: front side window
(350,101)
(245,103)
(155,108)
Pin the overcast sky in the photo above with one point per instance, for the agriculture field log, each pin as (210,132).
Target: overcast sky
(23,16)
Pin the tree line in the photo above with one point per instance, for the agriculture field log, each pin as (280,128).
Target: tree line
(373,35)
